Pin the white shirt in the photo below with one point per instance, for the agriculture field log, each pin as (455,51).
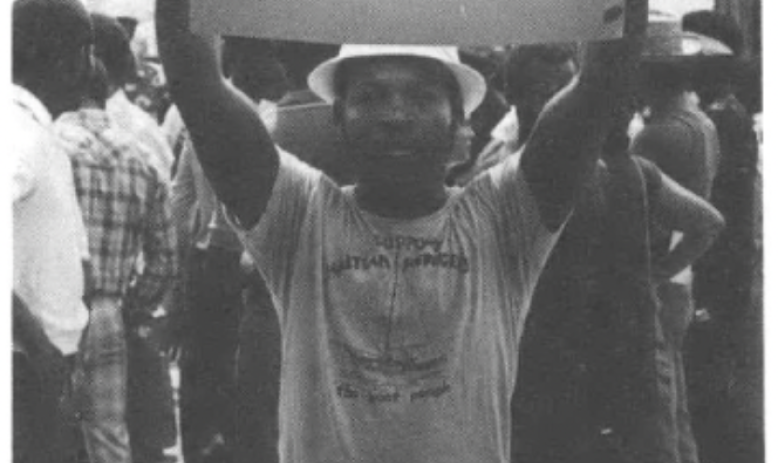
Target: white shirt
(49,237)
(507,130)
(400,337)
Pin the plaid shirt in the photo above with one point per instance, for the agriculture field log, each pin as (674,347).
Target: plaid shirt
(125,207)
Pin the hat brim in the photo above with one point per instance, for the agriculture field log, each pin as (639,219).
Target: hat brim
(684,47)
(472,85)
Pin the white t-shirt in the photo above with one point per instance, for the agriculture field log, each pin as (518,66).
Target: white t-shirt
(400,337)
(49,238)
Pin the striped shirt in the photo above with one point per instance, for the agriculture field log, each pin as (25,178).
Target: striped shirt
(124,202)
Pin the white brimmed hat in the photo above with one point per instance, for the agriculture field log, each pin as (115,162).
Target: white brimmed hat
(472,85)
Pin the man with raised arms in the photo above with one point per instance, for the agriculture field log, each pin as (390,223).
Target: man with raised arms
(397,363)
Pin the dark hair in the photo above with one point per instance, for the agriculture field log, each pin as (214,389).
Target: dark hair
(252,65)
(129,24)
(96,88)
(717,26)
(45,32)
(300,58)
(666,77)
(236,49)
(439,69)
(517,67)
(112,46)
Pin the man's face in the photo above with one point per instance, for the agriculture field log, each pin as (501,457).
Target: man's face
(546,80)
(397,118)
(260,79)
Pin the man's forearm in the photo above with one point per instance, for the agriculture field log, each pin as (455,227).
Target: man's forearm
(564,146)
(185,54)
(688,250)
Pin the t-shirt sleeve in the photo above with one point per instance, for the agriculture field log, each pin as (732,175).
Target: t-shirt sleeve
(524,241)
(273,242)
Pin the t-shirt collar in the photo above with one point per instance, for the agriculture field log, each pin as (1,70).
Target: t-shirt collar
(28,101)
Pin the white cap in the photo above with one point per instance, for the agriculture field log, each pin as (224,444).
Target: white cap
(471,84)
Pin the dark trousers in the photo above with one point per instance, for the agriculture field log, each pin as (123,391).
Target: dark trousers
(208,361)
(258,378)
(43,419)
(151,418)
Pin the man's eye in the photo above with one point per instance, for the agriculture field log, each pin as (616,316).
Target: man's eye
(367,95)
(425,95)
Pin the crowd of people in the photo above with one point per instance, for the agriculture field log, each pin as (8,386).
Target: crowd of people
(383,253)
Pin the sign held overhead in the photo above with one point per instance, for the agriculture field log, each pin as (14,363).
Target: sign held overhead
(453,22)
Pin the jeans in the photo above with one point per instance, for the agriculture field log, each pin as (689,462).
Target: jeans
(103,384)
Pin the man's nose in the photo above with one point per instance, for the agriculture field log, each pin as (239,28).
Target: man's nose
(398,109)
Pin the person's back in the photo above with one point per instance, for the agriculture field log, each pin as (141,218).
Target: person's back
(112,47)
(723,277)
(725,367)
(683,142)
(51,43)
(49,239)
(592,357)
(123,202)
(123,199)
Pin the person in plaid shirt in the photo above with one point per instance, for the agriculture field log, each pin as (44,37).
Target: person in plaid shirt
(125,210)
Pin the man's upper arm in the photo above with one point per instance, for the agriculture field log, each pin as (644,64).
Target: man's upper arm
(231,142)
(236,152)
(671,148)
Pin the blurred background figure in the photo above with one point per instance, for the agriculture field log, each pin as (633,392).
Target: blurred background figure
(222,324)
(51,57)
(683,142)
(124,205)
(112,46)
(150,400)
(593,347)
(305,124)
(533,75)
(725,349)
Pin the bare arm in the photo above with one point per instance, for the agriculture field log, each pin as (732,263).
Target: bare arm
(676,208)
(564,146)
(233,146)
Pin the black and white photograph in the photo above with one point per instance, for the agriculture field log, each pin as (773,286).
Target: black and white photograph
(386,231)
